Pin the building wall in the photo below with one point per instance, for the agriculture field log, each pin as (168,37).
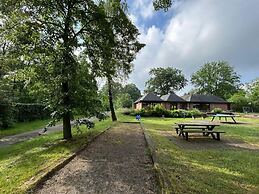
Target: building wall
(138,105)
(169,105)
(224,107)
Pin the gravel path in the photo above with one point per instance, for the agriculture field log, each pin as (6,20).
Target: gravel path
(116,162)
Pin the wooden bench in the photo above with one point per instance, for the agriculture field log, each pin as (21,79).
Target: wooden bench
(177,129)
(204,132)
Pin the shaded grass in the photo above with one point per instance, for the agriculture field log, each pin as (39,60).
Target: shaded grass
(222,169)
(22,127)
(21,163)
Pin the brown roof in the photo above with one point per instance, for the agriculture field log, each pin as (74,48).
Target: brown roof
(150,97)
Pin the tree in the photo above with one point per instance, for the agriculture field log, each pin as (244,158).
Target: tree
(119,51)
(124,101)
(133,91)
(253,93)
(217,78)
(165,80)
(162,4)
(239,100)
(46,35)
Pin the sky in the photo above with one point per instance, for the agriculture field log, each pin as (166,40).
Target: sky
(194,32)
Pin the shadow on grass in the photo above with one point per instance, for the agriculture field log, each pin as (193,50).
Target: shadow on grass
(199,142)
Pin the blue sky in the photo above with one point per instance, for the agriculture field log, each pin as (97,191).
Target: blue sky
(194,32)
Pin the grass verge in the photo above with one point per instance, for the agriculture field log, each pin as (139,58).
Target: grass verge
(22,163)
(23,127)
(205,165)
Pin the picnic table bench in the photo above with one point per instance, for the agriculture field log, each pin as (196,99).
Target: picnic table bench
(184,129)
(225,116)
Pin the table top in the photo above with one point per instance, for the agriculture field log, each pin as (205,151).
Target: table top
(225,115)
(198,124)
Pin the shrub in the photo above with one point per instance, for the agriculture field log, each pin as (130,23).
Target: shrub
(217,110)
(6,115)
(29,112)
(159,110)
(180,113)
(195,112)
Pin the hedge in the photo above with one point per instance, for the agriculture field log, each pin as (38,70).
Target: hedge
(29,112)
(21,112)
(159,111)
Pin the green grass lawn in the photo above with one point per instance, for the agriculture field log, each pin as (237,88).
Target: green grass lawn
(22,127)
(23,163)
(203,165)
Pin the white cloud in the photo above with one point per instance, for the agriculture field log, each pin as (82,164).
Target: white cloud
(202,31)
(143,8)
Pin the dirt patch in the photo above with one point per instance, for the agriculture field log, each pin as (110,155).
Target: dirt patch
(117,162)
(199,142)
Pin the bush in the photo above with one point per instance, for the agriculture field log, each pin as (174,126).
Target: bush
(29,112)
(217,110)
(159,111)
(6,115)
(180,113)
(195,112)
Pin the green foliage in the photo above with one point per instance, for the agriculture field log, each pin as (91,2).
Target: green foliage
(132,90)
(165,80)
(20,162)
(30,112)
(195,112)
(239,100)
(62,47)
(253,94)
(217,78)
(123,96)
(180,113)
(159,111)
(124,101)
(162,4)
(6,115)
(217,110)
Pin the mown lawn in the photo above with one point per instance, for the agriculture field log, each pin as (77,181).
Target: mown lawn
(203,165)
(23,127)
(23,163)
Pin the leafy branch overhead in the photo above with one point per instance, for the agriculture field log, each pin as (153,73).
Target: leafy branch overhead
(66,45)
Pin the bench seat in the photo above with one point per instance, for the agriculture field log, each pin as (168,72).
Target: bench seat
(202,128)
(185,133)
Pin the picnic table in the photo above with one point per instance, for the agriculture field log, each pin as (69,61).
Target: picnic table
(225,116)
(206,128)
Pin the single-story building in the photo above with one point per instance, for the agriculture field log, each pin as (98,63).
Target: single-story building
(149,99)
(172,101)
(205,102)
(190,101)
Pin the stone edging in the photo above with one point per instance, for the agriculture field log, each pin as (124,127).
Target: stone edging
(152,150)
(40,180)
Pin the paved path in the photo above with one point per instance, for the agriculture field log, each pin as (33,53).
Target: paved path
(13,139)
(116,162)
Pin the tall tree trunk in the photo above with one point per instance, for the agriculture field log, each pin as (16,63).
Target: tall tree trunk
(67,133)
(114,118)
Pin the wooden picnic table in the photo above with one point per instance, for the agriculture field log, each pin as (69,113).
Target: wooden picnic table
(206,128)
(224,116)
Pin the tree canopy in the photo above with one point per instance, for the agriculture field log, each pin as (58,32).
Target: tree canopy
(63,46)
(165,80)
(217,78)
